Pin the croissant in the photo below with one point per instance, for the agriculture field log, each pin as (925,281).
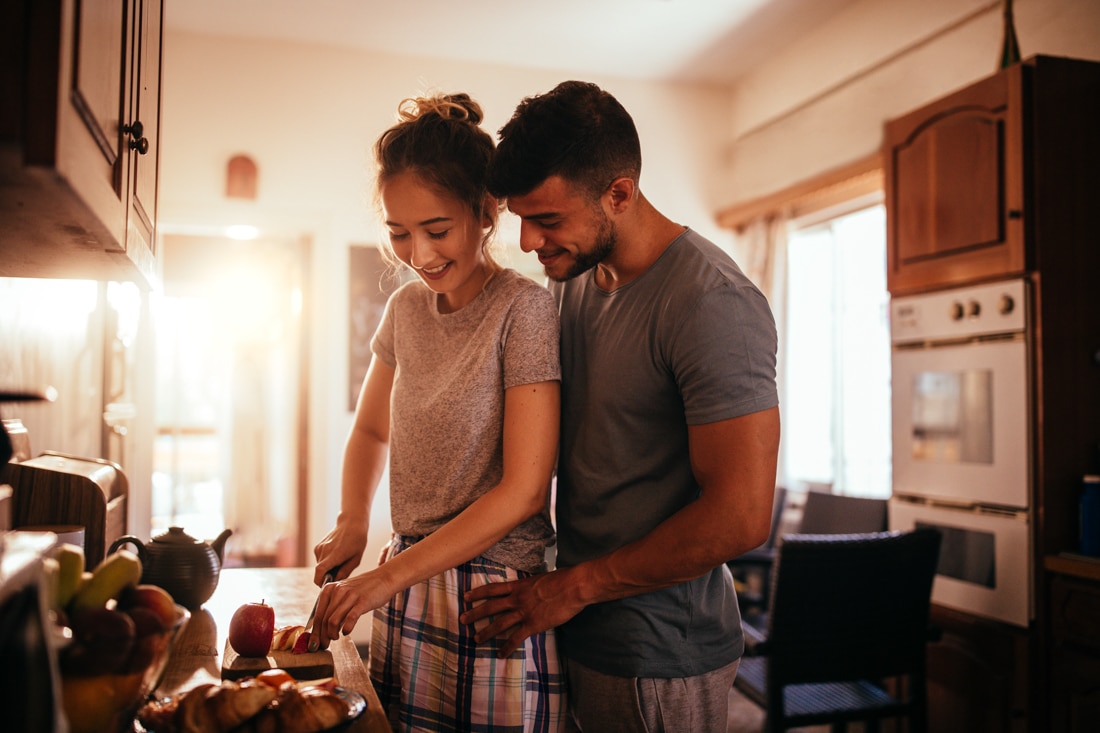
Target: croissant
(159,716)
(191,712)
(231,703)
(309,710)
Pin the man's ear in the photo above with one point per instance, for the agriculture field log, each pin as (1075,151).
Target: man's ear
(620,194)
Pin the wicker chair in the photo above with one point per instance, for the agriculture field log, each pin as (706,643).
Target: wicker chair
(822,513)
(847,629)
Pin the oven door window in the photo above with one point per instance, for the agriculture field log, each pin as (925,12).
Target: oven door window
(953,416)
(960,423)
(968,555)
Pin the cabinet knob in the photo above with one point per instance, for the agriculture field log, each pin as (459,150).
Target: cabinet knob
(137,141)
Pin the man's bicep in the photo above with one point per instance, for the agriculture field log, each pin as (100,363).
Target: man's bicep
(735,460)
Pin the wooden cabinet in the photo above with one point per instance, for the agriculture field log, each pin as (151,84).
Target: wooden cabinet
(977,675)
(1075,654)
(953,174)
(79,140)
(977,183)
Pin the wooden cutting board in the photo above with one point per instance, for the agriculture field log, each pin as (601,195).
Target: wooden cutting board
(307,666)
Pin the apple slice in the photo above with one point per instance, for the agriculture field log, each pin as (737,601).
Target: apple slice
(284,637)
(301,644)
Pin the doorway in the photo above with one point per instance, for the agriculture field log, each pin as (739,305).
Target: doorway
(230,448)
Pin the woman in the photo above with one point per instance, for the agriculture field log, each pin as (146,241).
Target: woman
(462,394)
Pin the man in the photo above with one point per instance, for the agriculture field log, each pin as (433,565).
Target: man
(669,433)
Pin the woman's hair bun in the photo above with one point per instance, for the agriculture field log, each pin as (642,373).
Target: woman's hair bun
(448,106)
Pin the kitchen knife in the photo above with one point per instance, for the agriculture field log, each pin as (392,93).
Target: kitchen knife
(329,577)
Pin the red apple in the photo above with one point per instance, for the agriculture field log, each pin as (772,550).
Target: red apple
(152,597)
(251,629)
(150,638)
(102,640)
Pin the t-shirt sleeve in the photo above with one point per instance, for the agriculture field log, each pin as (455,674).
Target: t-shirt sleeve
(725,355)
(381,344)
(531,339)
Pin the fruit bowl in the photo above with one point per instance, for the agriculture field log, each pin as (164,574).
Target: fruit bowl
(105,679)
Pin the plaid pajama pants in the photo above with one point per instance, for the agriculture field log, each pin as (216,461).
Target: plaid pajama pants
(431,675)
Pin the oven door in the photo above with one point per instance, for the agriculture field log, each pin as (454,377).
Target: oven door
(960,422)
(984,558)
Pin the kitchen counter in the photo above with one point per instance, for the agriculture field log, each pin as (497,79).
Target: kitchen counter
(197,656)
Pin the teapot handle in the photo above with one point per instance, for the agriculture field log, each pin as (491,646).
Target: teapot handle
(129,539)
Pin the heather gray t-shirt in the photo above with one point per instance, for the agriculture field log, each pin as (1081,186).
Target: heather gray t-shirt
(691,341)
(447,404)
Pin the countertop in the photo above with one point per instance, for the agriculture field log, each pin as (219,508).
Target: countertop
(291,592)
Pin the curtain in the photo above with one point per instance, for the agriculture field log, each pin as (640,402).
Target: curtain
(760,248)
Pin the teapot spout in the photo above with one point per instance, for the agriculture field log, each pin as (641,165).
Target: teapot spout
(218,545)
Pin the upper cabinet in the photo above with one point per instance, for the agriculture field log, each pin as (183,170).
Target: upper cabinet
(79,140)
(993,181)
(953,174)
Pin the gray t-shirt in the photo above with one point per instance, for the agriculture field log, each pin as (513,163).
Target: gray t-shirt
(691,341)
(447,404)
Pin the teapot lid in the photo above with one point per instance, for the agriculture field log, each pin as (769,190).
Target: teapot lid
(176,536)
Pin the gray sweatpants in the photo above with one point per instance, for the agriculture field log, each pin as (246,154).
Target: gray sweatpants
(601,703)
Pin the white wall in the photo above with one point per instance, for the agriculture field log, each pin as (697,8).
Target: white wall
(821,102)
(308,115)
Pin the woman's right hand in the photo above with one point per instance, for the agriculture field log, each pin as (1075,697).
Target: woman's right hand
(341,549)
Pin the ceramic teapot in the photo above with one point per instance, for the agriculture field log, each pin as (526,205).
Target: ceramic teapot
(185,567)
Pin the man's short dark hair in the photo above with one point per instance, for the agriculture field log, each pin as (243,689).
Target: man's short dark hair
(576,131)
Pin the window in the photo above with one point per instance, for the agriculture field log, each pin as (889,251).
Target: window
(836,377)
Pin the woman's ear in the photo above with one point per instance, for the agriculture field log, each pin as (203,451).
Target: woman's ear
(490,211)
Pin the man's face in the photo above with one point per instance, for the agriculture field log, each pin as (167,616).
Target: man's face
(568,231)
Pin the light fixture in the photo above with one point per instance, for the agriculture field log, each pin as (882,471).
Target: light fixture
(242,231)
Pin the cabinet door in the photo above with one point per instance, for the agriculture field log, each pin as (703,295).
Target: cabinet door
(954,188)
(977,676)
(92,101)
(144,148)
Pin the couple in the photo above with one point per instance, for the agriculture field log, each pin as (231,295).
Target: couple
(664,391)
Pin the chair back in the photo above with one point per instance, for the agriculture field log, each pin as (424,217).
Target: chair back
(825,513)
(849,607)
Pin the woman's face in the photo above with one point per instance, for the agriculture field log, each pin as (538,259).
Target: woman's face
(438,236)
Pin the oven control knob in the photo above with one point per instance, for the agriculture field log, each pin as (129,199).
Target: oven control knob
(975,309)
(1006,305)
(957,311)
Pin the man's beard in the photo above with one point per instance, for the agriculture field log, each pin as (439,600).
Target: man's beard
(603,246)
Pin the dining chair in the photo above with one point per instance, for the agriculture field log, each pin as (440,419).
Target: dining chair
(822,512)
(847,628)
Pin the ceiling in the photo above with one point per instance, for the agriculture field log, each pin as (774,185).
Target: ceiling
(698,41)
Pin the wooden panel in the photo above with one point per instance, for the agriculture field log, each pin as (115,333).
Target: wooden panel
(92,494)
(953,174)
(977,676)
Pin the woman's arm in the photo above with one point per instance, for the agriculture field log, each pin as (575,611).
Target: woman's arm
(364,462)
(531,416)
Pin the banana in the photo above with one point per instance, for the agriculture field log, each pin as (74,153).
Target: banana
(50,570)
(117,571)
(70,577)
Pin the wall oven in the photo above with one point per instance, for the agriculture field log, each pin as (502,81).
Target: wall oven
(961,389)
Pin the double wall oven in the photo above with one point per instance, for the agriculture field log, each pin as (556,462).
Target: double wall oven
(961,441)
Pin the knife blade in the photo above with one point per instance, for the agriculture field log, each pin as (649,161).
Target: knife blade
(329,577)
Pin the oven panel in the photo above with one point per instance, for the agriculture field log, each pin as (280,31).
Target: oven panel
(960,423)
(984,559)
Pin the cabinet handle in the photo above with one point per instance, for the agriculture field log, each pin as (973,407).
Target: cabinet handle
(137,141)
